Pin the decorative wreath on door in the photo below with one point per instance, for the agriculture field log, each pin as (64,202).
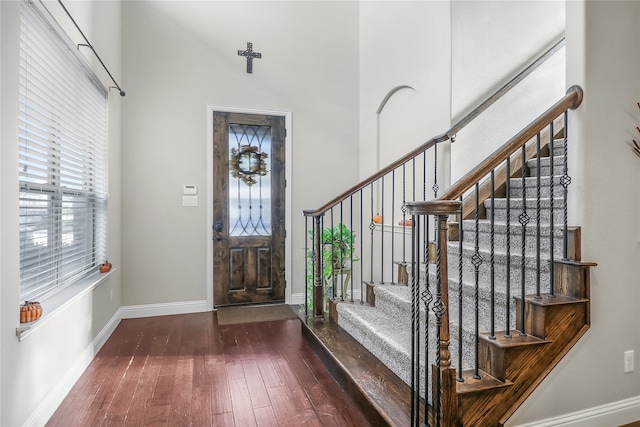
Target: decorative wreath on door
(248,162)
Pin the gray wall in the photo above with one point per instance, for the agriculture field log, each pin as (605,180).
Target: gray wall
(603,56)
(179,57)
(31,370)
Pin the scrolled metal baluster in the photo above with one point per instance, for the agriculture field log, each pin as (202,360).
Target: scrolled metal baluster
(507,328)
(382,232)
(415,283)
(393,234)
(551,217)
(524,220)
(310,258)
(318,284)
(362,292)
(351,244)
(476,259)
(372,227)
(435,187)
(460,301)
(565,181)
(538,217)
(427,298)
(492,308)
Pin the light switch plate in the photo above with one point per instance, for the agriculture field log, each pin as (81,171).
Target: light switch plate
(189,200)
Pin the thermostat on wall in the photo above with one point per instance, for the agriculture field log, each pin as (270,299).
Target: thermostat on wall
(190,190)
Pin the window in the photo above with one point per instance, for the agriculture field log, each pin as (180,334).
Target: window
(62,139)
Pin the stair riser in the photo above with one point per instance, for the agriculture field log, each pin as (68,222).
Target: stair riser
(545,169)
(531,191)
(500,243)
(545,217)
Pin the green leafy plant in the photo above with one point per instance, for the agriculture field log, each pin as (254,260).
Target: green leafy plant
(338,253)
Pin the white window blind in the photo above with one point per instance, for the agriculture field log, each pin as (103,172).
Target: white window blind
(62,141)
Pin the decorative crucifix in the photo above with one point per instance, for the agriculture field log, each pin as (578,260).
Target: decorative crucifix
(250,54)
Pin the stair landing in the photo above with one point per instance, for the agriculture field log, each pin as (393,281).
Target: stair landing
(380,394)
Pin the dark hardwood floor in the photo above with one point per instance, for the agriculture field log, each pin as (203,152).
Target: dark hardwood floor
(186,370)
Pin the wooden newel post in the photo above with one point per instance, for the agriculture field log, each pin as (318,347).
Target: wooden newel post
(318,283)
(444,397)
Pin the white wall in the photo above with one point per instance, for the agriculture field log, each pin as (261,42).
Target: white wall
(31,369)
(491,42)
(179,57)
(402,43)
(603,56)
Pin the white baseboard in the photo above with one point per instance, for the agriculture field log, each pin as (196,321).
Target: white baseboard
(164,309)
(54,398)
(612,414)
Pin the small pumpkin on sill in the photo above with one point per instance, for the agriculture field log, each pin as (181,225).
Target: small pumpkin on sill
(105,267)
(30,311)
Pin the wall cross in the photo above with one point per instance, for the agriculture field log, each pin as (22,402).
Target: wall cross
(249,54)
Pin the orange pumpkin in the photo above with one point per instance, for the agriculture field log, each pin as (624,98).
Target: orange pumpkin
(377,219)
(105,267)
(30,311)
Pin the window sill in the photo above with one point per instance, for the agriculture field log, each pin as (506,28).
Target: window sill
(57,302)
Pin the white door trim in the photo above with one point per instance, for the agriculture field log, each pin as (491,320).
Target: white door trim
(209,187)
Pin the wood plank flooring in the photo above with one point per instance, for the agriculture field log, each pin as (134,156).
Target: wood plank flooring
(186,370)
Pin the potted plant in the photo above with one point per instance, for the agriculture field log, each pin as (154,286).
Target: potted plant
(338,253)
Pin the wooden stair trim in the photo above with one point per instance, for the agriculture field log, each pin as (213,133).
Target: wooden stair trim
(474,385)
(370,295)
(548,300)
(516,340)
(382,396)
(551,366)
(469,202)
(576,263)
(564,324)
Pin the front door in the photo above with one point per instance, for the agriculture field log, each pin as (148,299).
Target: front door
(248,208)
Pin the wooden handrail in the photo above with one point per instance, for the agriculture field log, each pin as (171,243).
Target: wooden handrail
(506,88)
(441,138)
(375,177)
(571,100)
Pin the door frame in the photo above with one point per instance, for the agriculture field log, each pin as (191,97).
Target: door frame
(209,189)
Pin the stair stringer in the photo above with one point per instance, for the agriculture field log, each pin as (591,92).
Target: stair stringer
(558,321)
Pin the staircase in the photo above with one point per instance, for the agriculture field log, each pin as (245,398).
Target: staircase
(529,293)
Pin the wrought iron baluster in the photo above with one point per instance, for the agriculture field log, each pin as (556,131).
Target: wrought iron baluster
(352,246)
(404,209)
(308,257)
(428,301)
(507,328)
(415,360)
(538,216)
(438,309)
(565,181)
(333,254)
(372,227)
(318,285)
(382,233)
(342,245)
(524,220)
(435,187)
(492,308)
(477,261)
(393,211)
(362,293)
(460,299)
(551,218)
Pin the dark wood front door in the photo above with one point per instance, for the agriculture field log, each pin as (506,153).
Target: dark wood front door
(248,208)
